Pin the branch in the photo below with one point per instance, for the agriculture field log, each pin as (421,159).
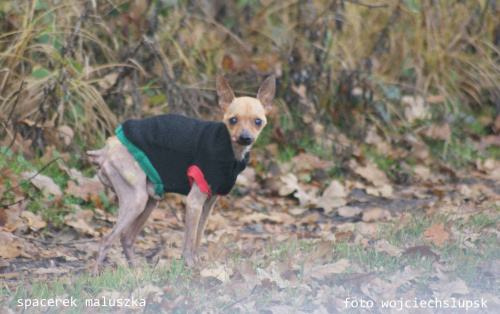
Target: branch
(371,6)
(26,181)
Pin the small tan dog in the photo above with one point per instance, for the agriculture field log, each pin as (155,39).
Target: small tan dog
(173,153)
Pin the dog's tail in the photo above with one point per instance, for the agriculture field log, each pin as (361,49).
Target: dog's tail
(97,155)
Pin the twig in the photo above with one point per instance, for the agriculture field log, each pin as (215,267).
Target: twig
(58,243)
(173,211)
(238,301)
(29,180)
(125,71)
(12,110)
(371,6)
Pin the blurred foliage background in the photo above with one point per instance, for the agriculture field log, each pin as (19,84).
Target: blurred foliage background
(346,69)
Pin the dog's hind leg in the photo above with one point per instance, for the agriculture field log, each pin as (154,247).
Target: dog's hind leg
(128,238)
(129,183)
(131,206)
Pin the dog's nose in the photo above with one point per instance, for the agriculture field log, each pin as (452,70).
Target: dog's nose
(245,139)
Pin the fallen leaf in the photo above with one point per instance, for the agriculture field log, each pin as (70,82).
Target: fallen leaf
(221,273)
(9,246)
(422,172)
(334,196)
(81,221)
(385,190)
(439,132)
(386,247)
(51,270)
(378,290)
(349,211)
(423,251)
(376,214)
(290,184)
(445,290)
(43,183)
(272,276)
(66,133)
(148,291)
(372,174)
(84,191)
(416,108)
(437,234)
(3,216)
(33,221)
(321,271)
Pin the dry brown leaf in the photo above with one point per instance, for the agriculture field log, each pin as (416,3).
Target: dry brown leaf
(84,191)
(33,221)
(172,238)
(66,133)
(150,292)
(216,222)
(306,197)
(444,290)
(272,276)
(307,163)
(376,214)
(81,221)
(378,290)
(435,99)
(384,246)
(221,273)
(277,217)
(3,215)
(439,132)
(51,270)
(290,184)
(422,251)
(372,174)
(334,196)
(416,108)
(422,172)
(9,246)
(324,251)
(349,211)
(321,271)
(385,190)
(43,183)
(437,234)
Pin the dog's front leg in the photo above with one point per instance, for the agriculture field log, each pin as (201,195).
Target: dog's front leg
(207,210)
(194,207)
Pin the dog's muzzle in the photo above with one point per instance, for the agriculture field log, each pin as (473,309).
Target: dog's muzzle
(245,140)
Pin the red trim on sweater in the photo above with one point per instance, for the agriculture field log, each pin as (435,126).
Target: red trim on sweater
(194,174)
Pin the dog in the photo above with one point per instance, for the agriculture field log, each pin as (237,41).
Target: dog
(171,153)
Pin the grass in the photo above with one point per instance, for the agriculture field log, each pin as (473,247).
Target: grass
(64,66)
(174,280)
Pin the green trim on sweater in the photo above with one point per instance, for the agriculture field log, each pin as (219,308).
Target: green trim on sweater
(142,160)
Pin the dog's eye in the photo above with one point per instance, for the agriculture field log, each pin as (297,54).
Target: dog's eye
(233,121)
(258,122)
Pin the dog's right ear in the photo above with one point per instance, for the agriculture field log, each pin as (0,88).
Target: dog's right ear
(224,92)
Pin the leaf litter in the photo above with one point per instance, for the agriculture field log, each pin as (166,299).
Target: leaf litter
(265,243)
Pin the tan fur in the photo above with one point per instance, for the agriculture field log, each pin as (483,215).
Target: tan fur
(137,199)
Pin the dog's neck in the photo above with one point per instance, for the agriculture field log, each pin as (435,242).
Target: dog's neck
(240,151)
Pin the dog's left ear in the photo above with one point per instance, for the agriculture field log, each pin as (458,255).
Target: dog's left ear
(224,92)
(266,93)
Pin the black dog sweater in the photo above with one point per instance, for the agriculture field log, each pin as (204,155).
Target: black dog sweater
(174,150)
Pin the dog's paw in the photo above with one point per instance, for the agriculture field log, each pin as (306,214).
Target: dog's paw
(191,260)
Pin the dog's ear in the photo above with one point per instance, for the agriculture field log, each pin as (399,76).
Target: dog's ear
(224,92)
(266,93)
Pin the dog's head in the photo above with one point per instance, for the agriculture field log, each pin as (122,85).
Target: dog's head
(245,117)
